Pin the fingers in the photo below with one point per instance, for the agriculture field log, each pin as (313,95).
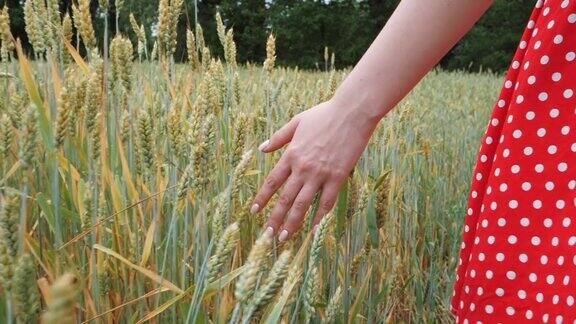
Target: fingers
(287,196)
(327,201)
(299,208)
(273,182)
(280,138)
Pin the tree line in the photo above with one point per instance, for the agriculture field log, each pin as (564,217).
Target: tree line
(305,28)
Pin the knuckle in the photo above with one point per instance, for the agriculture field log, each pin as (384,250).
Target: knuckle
(291,153)
(323,170)
(271,182)
(338,173)
(283,200)
(299,205)
(327,204)
(304,165)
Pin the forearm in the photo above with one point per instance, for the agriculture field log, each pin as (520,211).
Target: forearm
(414,39)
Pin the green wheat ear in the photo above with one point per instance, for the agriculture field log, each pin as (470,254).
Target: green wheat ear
(24,290)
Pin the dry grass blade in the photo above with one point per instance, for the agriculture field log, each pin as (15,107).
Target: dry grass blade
(148,273)
(105,219)
(111,310)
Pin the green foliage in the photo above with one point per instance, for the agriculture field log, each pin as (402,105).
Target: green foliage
(492,42)
(303,29)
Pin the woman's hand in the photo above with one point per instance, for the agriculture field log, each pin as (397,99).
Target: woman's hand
(325,142)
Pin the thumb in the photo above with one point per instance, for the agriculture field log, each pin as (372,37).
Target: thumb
(282,137)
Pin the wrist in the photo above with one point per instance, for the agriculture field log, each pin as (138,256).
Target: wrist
(361,106)
(354,114)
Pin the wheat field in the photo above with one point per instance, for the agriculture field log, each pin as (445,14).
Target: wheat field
(126,179)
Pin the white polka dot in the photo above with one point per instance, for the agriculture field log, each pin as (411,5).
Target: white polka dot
(570,56)
(523,258)
(565,130)
(544,59)
(493,205)
(519,99)
(539,297)
(549,185)
(568,93)
(533,277)
(541,132)
(537,204)
(539,168)
(566,222)
(515,168)
(489,274)
(526,65)
(535,240)
(537,45)
(565,4)
(525,222)
(558,39)
(511,275)
(526,186)
(542,96)
(501,103)
(547,222)
(531,79)
(489,309)
(513,204)
(562,166)
(510,310)
(572,18)
(512,239)
(554,112)
(521,294)
(556,76)
(517,133)
(552,149)
(529,314)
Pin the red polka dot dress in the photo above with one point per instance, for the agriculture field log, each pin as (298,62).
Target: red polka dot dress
(518,255)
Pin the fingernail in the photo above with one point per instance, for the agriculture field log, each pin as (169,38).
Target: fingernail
(283,236)
(254,209)
(269,232)
(263,146)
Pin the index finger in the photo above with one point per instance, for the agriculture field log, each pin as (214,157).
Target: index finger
(273,182)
